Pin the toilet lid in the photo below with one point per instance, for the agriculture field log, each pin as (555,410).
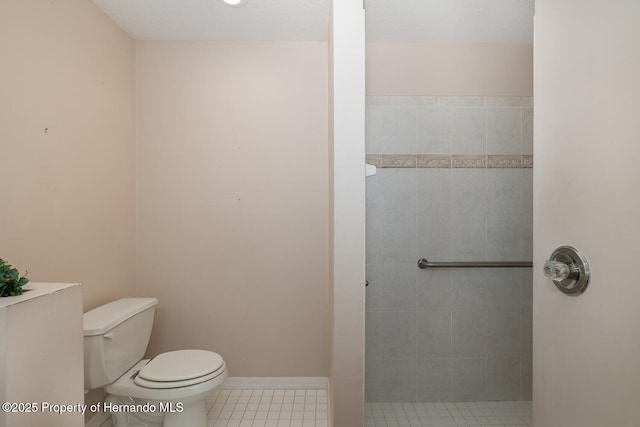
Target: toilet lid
(181,365)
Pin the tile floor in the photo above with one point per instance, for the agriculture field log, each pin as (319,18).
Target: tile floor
(268,408)
(308,408)
(494,414)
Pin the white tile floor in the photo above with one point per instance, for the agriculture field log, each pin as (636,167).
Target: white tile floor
(268,408)
(494,414)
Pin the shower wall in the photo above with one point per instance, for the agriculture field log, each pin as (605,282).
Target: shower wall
(454,183)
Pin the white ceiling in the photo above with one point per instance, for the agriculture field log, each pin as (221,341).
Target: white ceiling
(210,20)
(308,20)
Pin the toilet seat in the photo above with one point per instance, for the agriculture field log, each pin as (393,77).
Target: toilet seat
(125,386)
(180,368)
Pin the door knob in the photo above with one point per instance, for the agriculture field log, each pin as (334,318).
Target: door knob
(556,270)
(569,270)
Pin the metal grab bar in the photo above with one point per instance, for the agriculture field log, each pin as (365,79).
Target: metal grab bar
(423,263)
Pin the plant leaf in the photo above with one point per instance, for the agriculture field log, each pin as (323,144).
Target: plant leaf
(10,281)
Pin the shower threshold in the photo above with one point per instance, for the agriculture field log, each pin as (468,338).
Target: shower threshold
(438,414)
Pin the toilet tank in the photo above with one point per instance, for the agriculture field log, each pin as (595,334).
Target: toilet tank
(116,336)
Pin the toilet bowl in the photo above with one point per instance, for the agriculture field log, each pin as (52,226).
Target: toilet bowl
(174,389)
(169,390)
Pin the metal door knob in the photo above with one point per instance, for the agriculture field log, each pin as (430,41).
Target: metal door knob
(569,270)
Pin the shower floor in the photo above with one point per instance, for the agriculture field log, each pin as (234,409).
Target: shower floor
(495,414)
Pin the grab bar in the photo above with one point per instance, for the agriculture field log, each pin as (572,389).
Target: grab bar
(423,263)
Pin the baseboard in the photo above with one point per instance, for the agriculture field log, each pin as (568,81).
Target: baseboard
(276,383)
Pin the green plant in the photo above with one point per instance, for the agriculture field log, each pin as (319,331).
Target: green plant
(10,281)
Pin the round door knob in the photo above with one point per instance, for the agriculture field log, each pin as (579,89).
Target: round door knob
(569,270)
(556,270)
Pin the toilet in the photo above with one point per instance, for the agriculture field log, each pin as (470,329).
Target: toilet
(168,390)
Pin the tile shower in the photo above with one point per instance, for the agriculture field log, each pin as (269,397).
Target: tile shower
(454,183)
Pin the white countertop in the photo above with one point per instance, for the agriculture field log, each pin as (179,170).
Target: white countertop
(34,290)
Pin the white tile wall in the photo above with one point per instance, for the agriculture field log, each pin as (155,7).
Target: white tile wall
(451,334)
(444,125)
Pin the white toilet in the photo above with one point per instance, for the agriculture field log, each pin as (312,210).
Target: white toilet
(168,390)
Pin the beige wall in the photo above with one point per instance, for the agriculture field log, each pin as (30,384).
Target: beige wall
(472,69)
(232,191)
(247,240)
(67,146)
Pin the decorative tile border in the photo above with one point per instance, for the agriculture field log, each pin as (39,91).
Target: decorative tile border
(498,161)
(477,161)
(451,161)
(434,161)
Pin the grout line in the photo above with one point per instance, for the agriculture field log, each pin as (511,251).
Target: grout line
(511,413)
(279,407)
